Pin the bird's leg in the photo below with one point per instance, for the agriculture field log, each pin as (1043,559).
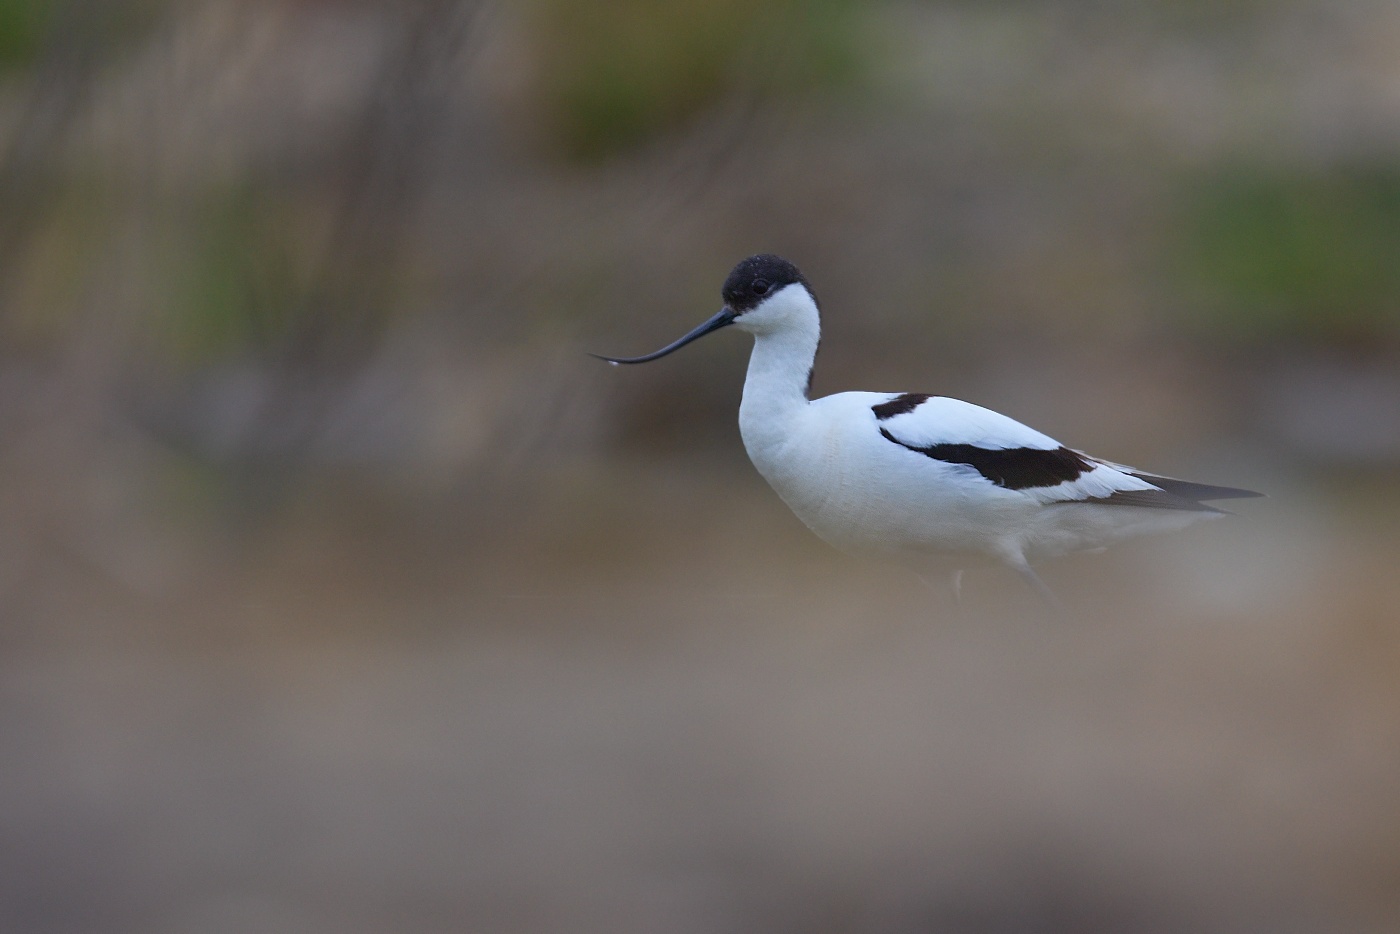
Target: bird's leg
(1023,568)
(944,586)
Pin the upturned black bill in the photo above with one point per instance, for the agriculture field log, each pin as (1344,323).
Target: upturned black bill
(723,319)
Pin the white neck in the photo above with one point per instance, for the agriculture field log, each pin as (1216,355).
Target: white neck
(775,390)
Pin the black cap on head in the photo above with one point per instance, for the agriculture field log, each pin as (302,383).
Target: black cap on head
(758,277)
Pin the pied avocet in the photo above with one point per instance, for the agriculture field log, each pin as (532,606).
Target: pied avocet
(928,480)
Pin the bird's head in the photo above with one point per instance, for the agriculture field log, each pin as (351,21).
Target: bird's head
(762,295)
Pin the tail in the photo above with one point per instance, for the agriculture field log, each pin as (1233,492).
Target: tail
(1198,492)
(1174,493)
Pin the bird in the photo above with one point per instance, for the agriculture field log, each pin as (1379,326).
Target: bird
(931,482)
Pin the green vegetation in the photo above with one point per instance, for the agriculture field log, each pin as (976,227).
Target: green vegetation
(1313,255)
(23,25)
(611,76)
(235,277)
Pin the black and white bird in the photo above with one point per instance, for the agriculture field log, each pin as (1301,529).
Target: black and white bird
(929,481)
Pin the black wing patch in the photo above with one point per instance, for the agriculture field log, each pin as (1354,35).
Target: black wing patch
(899,405)
(1013,468)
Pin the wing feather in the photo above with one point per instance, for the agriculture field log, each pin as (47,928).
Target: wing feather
(1014,456)
(1195,491)
(918,420)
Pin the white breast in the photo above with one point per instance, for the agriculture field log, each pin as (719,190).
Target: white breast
(864,494)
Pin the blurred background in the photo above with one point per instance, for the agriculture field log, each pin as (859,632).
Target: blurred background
(341,592)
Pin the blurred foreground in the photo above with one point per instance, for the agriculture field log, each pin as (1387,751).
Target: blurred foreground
(656,705)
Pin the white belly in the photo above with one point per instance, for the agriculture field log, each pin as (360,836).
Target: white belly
(865,494)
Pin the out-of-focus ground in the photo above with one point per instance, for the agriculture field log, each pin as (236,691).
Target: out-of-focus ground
(339,591)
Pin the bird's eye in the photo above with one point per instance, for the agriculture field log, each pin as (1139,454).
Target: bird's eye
(760,287)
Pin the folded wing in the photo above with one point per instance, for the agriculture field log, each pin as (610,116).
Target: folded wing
(1007,454)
